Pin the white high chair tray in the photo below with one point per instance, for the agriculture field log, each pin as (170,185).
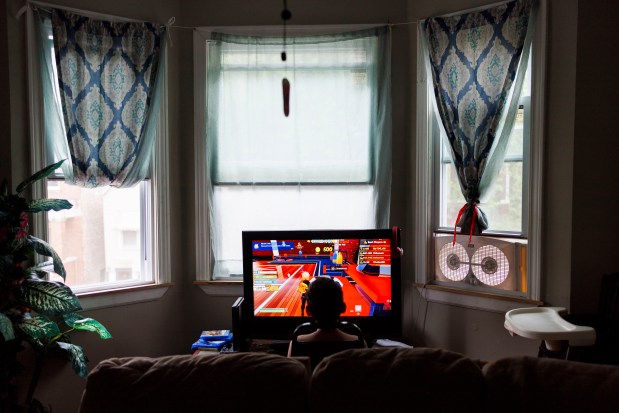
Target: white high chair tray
(545,323)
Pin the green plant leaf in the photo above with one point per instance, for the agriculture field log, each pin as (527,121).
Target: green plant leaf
(38,175)
(49,297)
(39,205)
(38,327)
(77,357)
(6,328)
(44,248)
(79,322)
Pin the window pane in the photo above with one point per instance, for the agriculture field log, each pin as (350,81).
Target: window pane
(505,209)
(451,195)
(326,137)
(245,208)
(515,145)
(503,204)
(99,238)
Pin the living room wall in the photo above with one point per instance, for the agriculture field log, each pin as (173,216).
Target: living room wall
(596,149)
(5,119)
(169,325)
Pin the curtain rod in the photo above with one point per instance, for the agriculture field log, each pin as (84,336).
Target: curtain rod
(31,3)
(275,30)
(392,25)
(171,21)
(455,13)
(470,10)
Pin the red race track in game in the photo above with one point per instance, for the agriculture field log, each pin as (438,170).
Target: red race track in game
(277,279)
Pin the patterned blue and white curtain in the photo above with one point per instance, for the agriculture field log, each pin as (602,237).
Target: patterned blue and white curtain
(107,75)
(474,61)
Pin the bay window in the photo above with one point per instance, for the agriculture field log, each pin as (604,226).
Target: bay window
(324,166)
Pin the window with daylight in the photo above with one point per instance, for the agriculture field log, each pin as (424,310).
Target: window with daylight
(323,166)
(506,201)
(114,236)
(92,236)
(479,146)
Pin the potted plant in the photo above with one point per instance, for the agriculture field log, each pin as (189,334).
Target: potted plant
(34,309)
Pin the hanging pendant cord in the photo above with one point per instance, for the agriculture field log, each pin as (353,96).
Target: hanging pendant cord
(286,15)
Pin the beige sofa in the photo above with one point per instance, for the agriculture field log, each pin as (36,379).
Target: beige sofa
(363,380)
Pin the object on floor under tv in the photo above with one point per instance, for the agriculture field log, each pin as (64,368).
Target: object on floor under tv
(214,345)
(278,266)
(212,340)
(213,335)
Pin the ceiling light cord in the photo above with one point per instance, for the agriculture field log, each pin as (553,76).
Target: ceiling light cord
(286,15)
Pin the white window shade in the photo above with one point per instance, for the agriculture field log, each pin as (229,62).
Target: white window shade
(263,207)
(326,165)
(326,138)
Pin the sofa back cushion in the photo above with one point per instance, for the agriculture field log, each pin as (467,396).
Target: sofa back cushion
(396,380)
(227,383)
(530,384)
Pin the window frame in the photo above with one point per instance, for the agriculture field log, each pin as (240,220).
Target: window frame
(154,201)
(426,185)
(201,37)
(524,103)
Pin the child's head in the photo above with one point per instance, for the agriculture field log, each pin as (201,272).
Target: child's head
(325,301)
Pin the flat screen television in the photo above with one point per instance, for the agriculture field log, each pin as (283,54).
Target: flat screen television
(366,263)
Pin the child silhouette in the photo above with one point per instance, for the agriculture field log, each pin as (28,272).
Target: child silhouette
(325,303)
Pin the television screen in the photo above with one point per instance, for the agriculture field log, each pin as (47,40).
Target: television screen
(279,266)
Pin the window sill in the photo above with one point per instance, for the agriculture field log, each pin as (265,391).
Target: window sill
(123,296)
(473,299)
(221,288)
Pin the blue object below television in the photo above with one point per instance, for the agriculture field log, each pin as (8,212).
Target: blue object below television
(276,264)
